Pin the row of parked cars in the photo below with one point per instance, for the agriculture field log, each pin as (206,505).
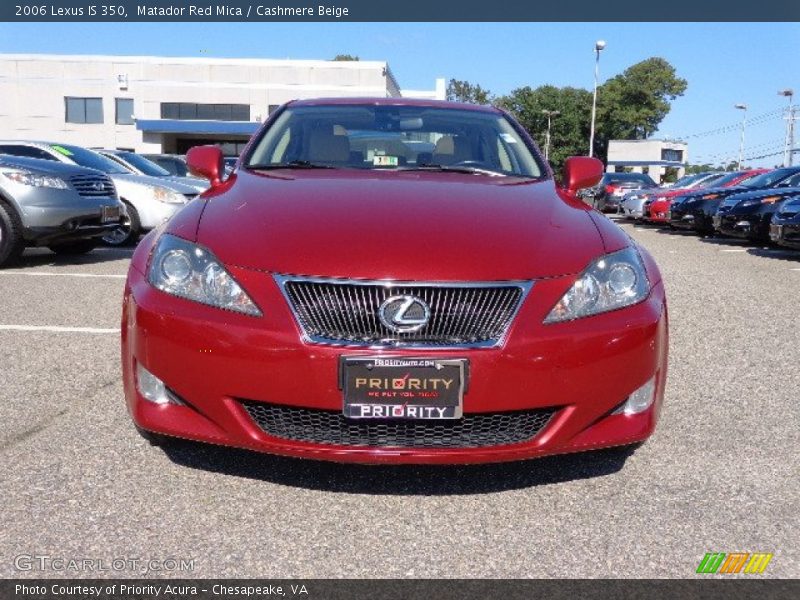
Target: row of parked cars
(71,199)
(758,205)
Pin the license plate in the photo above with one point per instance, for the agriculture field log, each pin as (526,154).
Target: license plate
(717,221)
(775,232)
(110,214)
(403,388)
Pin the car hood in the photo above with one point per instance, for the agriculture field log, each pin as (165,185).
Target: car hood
(131,179)
(407,226)
(727,191)
(49,167)
(761,193)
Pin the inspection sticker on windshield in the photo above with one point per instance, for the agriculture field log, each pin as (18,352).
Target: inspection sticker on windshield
(384,161)
(62,150)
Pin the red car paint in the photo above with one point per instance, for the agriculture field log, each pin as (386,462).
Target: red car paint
(659,208)
(345,223)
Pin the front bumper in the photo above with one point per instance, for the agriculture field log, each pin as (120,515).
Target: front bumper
(752,226)
(215,360)
(785,232)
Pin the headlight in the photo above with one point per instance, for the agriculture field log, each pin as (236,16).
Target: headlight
(168,196)
(189,271)
(34,180)
(612,281)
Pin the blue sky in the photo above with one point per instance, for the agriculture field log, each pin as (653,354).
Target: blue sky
(724,63)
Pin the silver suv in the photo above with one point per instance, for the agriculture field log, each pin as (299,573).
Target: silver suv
(45,203)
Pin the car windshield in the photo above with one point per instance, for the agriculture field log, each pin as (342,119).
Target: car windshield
(630,179)
(141,163)
(394,138)
(87,158)
(769,179)
(686,180)
(726,179)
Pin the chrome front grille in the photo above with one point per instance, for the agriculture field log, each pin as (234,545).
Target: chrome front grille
(346,312)
(93,186)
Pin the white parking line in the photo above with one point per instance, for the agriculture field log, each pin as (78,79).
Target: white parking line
(734,250)
(50,274)
(56,329)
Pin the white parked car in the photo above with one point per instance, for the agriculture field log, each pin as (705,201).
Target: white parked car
(136,163)
(149,201)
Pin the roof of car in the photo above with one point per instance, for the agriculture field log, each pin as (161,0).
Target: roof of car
(394,102)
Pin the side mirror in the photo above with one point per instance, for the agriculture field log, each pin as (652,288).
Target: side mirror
(206,162)
(581,172)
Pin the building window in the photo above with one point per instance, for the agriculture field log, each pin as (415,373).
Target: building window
(83,110)
(272,108)
(124,110)
(672,155)
(189,111)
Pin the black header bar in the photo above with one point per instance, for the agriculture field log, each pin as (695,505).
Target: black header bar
(265,11)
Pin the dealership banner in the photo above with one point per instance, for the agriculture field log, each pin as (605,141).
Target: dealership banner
(388,589)
(405,11)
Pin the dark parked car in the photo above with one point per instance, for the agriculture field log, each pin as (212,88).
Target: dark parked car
(748,215)
(695,209)
(607,194)
(46,203)
(172,163)
(785,227)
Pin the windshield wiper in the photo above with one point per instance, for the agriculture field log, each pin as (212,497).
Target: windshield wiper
(453,169)
(292,164)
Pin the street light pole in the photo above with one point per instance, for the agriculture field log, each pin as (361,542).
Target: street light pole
(742,107)
(548,114)
(787,154)
(598,46)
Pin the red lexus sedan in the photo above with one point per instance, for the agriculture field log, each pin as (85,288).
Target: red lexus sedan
(394,281)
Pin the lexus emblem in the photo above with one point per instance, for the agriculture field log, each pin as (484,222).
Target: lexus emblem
(404,314)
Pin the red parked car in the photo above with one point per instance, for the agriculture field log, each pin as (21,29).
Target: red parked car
(657,209)
(394,281)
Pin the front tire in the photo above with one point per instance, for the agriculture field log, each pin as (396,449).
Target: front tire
(128,232)
(11,241)
(75,248)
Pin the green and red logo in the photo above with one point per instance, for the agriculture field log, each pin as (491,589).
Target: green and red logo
(734,562)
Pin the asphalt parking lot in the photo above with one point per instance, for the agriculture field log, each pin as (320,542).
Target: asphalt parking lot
(721,473)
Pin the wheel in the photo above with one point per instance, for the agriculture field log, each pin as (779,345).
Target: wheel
(128,232)
(78,247)
(11,242)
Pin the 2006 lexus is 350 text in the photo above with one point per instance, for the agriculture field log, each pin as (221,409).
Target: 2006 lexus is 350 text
(394,281)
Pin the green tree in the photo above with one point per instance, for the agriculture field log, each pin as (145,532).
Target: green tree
(345,57)
(569,131)
(631,105)
(464,91)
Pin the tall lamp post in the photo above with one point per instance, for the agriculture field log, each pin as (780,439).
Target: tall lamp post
(549,114)
(743,108)
(598,46)
(787,155)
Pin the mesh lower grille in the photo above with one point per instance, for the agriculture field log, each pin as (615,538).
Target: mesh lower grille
(331,427)
(348,312)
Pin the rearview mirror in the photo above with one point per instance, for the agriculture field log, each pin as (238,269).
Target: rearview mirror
(581,172)
(206,162)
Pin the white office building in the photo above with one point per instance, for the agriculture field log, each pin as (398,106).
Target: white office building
(166,104)
(648,156)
